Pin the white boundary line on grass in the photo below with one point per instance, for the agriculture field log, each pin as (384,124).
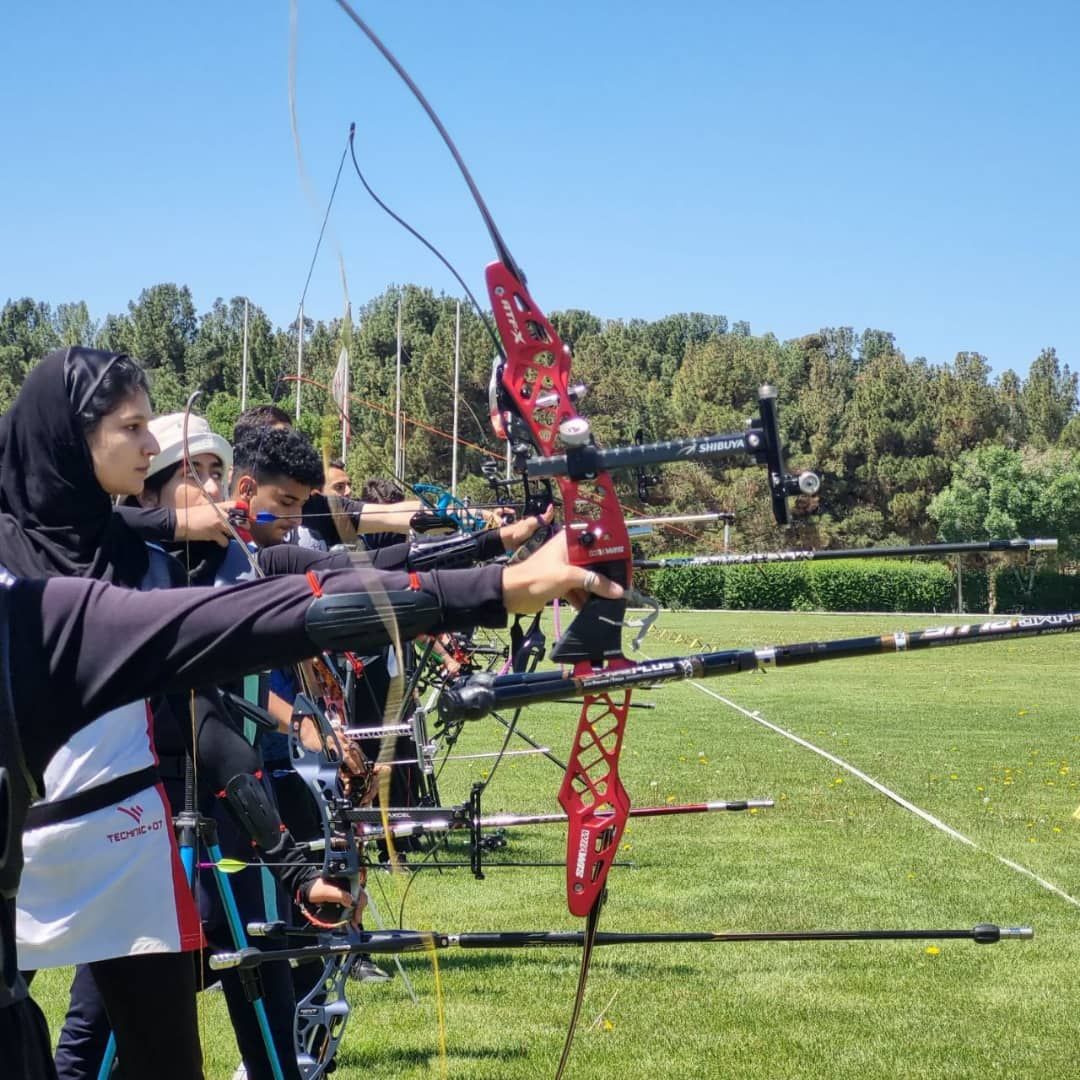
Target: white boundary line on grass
(889,794)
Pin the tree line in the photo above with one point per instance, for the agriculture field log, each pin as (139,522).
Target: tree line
(908,450)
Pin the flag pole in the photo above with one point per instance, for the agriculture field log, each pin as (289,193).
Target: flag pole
(244,364)
(345,414)
(299,356)
(398,448)
(457,394)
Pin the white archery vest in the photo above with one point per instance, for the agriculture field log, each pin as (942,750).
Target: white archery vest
(109,882)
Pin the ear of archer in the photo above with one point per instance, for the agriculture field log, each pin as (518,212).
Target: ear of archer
(245,486)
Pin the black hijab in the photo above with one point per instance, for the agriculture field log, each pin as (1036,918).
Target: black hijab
(55,518)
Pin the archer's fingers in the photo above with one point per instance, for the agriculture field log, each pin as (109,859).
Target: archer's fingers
(587,583)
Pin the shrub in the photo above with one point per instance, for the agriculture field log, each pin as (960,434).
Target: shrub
(870,585)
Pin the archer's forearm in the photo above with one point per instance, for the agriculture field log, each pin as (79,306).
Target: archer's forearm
(85,647)
(388,517)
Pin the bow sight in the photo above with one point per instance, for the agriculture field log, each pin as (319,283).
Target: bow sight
(584,460)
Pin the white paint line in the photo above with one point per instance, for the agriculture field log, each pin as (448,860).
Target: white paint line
(889,794)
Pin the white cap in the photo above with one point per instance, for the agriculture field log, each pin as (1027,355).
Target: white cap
(169,432)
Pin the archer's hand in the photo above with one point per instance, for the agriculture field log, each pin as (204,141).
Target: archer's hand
(204,522)
(352,757)
(326,891)
(363,787)
(493,519)
(521,532)
(547,574)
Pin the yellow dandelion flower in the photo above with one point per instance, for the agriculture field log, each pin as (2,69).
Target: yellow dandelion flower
(609,1025)
(932,950)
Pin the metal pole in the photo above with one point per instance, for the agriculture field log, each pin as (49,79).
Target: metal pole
(299,356)
(457,392)
(959,585)
(244,365)
(345,414)
(727,536)
(398,448)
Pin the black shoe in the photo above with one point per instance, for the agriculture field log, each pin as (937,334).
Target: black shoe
(367,971)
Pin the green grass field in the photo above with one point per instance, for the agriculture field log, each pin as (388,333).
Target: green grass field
(984,737)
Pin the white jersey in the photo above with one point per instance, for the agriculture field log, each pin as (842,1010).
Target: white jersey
(109,882)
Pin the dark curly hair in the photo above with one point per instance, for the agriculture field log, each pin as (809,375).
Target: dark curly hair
(259,416)
(266,453)
(121,379)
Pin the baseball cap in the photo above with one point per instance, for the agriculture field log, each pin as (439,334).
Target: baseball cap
(169,432)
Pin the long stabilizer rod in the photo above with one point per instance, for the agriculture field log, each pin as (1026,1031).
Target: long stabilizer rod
(403,941)
(808,555)
(476,695)
(438,819)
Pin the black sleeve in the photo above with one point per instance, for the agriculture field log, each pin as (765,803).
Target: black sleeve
(488,545)
(156,524)
(318,518)
(219,747)
(83,647)
(390,556)
(293,559)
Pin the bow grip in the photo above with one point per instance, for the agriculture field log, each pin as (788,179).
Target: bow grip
(594,635)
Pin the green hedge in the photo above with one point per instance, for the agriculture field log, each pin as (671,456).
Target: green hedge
(866,585)
(1048,592)
(870,585)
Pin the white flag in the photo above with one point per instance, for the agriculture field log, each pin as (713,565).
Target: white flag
(340,386)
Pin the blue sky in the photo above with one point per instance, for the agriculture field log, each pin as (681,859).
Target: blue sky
(909,167)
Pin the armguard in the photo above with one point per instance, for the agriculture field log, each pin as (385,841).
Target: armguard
(358,621)
(254,811)
(445,553)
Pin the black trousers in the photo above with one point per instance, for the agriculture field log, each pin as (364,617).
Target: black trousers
(149,1002)
(25,1049)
